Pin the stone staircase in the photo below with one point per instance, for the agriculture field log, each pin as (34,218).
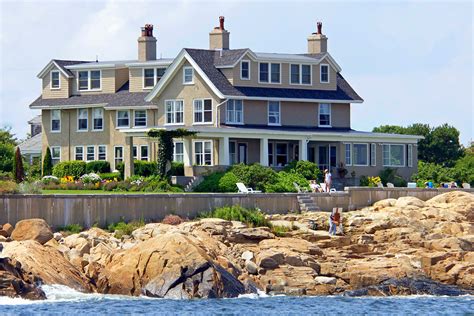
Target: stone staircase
(307,203)
(193,183)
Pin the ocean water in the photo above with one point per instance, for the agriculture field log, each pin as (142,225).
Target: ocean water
(64,301)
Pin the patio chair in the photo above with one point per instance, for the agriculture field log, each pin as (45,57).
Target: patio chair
(466,185)
(390,185)
(411,185)
(299,189)
(243,189)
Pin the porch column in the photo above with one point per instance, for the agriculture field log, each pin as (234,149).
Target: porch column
(128,157)
(224,151)
(187,158)
(303,149)
(264,151)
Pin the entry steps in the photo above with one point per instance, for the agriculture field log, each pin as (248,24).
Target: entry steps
(193,183)
(307,203)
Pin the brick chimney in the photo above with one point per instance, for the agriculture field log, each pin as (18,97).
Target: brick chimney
(318,42)
(219,36)
(147,44)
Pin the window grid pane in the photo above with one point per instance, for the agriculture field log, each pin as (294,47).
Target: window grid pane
(264,72)
(275,76)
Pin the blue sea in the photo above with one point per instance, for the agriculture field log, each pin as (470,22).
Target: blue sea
(64,301)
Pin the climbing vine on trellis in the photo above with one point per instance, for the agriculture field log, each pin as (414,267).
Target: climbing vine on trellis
(165,145)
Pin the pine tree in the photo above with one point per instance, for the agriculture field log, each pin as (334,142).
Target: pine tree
(18,166)
(47,163)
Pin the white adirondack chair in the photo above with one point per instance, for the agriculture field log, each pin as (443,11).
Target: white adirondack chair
(243,189)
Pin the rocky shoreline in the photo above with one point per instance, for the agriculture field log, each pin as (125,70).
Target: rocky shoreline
(395,247)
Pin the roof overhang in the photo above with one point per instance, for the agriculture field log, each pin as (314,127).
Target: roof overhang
(291,99)
(150,63)
(134,107)
(50,65)
(95,66)
(67,106)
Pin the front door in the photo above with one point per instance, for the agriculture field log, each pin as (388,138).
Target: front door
(242,153)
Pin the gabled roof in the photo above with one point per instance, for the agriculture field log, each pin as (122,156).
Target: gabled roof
(61,65)
(122,98)
(31,145)
(35,120)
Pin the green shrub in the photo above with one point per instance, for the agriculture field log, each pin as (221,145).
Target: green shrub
(364,181)
(114,176)
(255,176)
(280,231)
(99,166)
(177,169)
(8,187)
(121,228)
(155,184)
(7,154)
(285,182)
(145,168)
(47,163)
(227,183)
(4,175)
(70,168)
(121,169)
(71,229)
(307,169)
(251,217)
(210,183)
(30,187)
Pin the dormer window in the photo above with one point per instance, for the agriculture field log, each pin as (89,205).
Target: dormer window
(324,71)
(55,83)
(300,74)
(245,70)
(89,80)
(269,73)
(188,75)
(151,76)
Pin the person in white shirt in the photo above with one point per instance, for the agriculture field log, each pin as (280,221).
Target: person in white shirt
(327,179)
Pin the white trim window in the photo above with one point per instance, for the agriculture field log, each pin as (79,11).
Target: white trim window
(97,119)
(300,74)
(235,112)
(79,153)
(281,154)
(135,152)
(188,75)
(324,73)
(202,111)
(178,152)
(55,121)
(393,155)
(203,152)
(144,152)
(55,154)
(89,80)
(151,76)
(373,154)
(82,119)
(123,118)
(90,153)
(410,155)
(244,70)
(269,73)
(118,155)
(348,154)
(139,118)
(174,112)
(324,115)
(232,152)
(101,152)
(274,117)
(360,154)
(55,80)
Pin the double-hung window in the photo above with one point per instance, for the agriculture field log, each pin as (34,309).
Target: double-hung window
(89,80)
(151,76)
(300,74)
(203,152)
(202,110)
(144,152)
(324,114)
(235,112)
(245,70)
(174,111)
(79,153)
(55,154)
(55,82)
(82,119)
(360,154)
(348,154)
(118,155)
(90,153)
(135,152)
(281,154)
(123,118)
(274,113)
(101,152)
(139,118)
(188,75)
(97,119)
(324,73)
(373,154)
(393,155)
(410,155)
(55,120)
(269,73)
(178,152)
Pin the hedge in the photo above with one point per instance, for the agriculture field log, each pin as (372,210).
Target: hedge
(99,166)
(69,168)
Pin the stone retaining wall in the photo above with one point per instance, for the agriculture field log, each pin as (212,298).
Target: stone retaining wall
(103,209)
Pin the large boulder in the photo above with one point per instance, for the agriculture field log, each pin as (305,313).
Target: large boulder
(412,201)
(46,264)
(171,265)
(32,229)
(14,282)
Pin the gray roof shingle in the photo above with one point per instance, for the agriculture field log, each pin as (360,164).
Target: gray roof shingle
(64,63)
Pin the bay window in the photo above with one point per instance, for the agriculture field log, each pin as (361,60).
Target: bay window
(123,118)
(203,152)
(174,112)
(324,114)
(360,154)
(393,155)
(274,113)
(55,120)
(202,110)
(235,112)
(97,119)
(82,119)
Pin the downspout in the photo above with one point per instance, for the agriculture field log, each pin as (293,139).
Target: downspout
(218,124)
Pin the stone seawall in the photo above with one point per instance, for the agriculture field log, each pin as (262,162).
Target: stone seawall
(102,209)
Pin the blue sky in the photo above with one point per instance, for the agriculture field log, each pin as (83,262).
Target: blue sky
(411,61)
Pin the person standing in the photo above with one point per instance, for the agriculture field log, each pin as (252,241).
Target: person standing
(327,179)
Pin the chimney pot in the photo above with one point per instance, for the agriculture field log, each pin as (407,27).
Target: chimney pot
(221,22)
(320,28)
(147,44)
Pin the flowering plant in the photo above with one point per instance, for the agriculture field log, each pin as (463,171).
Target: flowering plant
(374,181)
(91,178)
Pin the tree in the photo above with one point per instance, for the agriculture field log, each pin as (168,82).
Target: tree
(7,149)
(47,163)
(18,166)
(6,137)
